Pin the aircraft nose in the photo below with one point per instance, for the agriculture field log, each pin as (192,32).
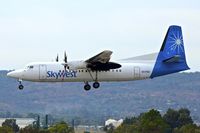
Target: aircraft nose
(14,74)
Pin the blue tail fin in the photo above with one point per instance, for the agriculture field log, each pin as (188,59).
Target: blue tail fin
(171,57)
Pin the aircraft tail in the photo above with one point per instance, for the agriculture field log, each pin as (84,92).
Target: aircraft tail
(171,57)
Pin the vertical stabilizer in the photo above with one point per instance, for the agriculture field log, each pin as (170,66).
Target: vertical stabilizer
(171,57)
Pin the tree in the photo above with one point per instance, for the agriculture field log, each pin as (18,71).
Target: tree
(29,129)
(129,125)
(185,117)
(189,128)
(6,129)
(127,129)
(152,122)
(178,118)
(171,117)
(32,129)
(12,124)
(130,121)
(61,127)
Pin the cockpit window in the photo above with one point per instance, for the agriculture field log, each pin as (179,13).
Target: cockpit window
(30,67)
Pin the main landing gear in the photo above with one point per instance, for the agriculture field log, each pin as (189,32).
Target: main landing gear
(95,85)
(20,87)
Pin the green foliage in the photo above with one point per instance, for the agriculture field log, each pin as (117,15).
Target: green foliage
(61,127)
(185,117)
(126,129)
(6,129)
(171,117)
(29,129)
(189,128)
(132,120)
(12,124)
(152,122)
(178,118)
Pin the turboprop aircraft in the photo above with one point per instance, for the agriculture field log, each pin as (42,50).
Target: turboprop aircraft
(170,59)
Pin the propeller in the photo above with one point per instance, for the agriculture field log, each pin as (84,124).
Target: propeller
(57,58)
(65,60)
(65,57)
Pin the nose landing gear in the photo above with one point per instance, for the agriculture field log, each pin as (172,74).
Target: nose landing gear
(20,87)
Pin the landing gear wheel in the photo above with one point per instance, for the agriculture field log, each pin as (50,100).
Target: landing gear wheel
(96,85)
(87,87)
(21,87)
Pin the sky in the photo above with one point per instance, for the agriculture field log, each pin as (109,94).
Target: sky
(38,30)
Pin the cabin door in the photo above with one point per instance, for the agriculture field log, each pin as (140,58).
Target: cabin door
(43,71)
(136,72)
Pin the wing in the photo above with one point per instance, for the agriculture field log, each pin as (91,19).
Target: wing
(101,62)
(102,57)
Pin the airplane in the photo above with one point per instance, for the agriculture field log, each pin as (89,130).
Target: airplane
(170,59)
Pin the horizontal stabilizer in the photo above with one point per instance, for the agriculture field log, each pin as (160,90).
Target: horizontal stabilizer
(175,58)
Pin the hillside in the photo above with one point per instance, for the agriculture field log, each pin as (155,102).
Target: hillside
(118,100)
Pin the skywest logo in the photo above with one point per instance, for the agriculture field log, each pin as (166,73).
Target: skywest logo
(62,74)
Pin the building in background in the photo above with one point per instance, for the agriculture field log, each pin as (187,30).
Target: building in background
(113,122)
(21,122)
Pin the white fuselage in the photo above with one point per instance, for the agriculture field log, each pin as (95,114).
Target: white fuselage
(55,72)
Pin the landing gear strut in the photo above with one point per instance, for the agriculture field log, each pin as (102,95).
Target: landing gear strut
(21,87)
(95,85)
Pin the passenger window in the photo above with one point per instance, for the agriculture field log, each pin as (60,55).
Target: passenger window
(116,70)
(120,70)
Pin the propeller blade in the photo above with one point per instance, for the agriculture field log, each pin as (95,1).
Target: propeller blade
(65,60)
(57,58)
(65,57)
